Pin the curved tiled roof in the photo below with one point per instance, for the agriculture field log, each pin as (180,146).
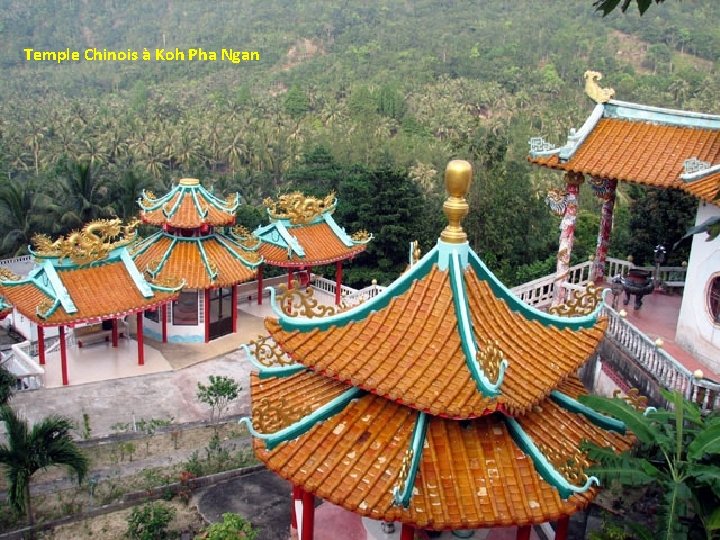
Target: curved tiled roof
(470,475)
(215,260)
(645,145)
(188,206)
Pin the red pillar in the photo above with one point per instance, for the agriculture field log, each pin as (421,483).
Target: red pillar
(164,323)
(567,235)
(260,286)
(207,315)
(63,356)
(338,282)
(234,309)
(603,240)
(407,532)
(561,531)
(308,518)
(295,496)
(140,340)
(114,333)
(523,533)
(41,345)
(290,278)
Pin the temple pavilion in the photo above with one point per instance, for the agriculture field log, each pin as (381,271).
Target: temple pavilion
(86,277)
(302,234)
(444,403)
(199,243)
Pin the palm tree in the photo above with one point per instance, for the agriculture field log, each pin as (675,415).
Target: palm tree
(27,450)
(22,214)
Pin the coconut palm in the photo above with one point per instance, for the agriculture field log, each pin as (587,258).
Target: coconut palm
(28,450)
(22,214)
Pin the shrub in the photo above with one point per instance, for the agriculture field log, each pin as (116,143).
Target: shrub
(150,522)
(233,527)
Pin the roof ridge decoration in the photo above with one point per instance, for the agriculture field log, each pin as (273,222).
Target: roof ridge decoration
(92,243)
(359,237)
(403,490)
(277,234)
(593,89)
(269,359)
(300,209)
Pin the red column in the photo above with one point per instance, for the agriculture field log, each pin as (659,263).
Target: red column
(164,323)
(407,532)
(603,240)
(207,315)
(561,531)
(234,308)
(140,340)
(295,496)
(567,235)
(308,518)
(114,333)
(338,282)
(523,533)
(63,356)
(41,344)
(290,278)
(260,286)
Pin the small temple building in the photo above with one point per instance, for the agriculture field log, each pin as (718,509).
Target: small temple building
(199,243)
(84,278)
(302,234)
(657,147)
(444,403)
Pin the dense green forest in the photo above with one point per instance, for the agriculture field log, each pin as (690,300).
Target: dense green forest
(370,99)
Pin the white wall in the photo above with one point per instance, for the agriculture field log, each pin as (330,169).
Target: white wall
(695,330)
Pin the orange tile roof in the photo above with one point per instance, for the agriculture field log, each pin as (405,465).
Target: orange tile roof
(320,243)
(98,292)
(411,352)
(185,261)
(642,152)
(471,474)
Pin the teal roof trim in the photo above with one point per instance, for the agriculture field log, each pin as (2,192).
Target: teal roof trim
(205,260)
(358,313)
(224,241)
(277,234)
(219,203)
(303,425)
(59,289)
(164,259)
(203,213)
(544,467)
(529,312)
(600,420)
(674,117)
(467,337)
(339,231)
(142,246)
(266,372)
(158,202)
(401,497)
(135,274)
(49,312)
(175,206)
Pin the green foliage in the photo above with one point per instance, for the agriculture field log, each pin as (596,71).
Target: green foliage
(233,527)
(27,450)
(7,385)
(296,102)
(150,522)
(607,6)
(218,394)
(678,453)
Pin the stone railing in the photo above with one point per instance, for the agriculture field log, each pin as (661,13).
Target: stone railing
(669,373)
(328,286)
(28,373)
(23,259)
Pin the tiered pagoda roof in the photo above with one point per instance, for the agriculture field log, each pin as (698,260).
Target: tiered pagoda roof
(663,148)
(190,245)
(303,233)
(444,402)
(85,277)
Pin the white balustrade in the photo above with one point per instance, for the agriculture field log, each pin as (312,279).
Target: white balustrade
(28,373)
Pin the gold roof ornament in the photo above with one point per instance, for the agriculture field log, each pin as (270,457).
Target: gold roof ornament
(299,208)
(582,302)
(593,89)
(490,357)
(458,176)
(267,352)
(570,463)
(8,275)
(361,236)
(633,398)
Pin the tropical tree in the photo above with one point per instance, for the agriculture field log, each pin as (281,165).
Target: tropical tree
(28,450)
(679,453)
(23,213)
(84,193)
(7,385)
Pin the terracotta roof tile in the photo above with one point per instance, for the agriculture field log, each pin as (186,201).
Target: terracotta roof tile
(187,215)
(185,261)
(471,475)
(320,244)
(97,292)
(645,153)
(410,351)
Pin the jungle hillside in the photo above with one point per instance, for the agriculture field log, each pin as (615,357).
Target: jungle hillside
(369,99)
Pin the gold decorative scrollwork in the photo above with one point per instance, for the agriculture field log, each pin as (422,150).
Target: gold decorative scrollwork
(92,243)
(582,302)
(231,199)
(404,469)
(299,208)
(490,357)
(296,302)
(633,398)
(269,353)
(251,257)
(569,463)
(361,236)
(168,282)
(8,275)
(240,231)
(149,195)
(269,417)
(593,89)
(44,307)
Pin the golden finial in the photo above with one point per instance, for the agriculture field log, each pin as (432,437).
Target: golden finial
(189,182)
(593,89)
(458,176)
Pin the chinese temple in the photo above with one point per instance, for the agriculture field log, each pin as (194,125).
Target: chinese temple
(656,147)
(443,403)
(86,277)
(199,243)
(302,234)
